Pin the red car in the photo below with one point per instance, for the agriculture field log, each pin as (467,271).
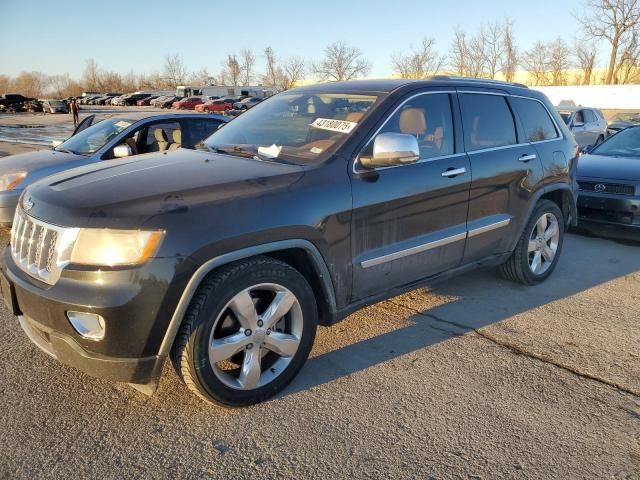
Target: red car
(145,101)
(188,103)
(219,105)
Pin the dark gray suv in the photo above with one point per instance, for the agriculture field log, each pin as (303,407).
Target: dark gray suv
(309,206)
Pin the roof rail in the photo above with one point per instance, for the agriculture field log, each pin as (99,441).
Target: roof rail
(479,80)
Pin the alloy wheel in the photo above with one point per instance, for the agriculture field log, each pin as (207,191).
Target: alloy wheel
(543,243)
(255,336)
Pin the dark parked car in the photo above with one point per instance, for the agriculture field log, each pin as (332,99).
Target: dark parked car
(314,203)
(133,98)
(609,181)
(113,138)
(623,120)
(14,101)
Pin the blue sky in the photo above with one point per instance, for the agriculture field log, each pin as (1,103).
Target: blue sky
(124,35)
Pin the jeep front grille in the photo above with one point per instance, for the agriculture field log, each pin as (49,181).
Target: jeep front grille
(34,247)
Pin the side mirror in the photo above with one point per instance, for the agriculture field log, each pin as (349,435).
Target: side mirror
(587,149)
(577,124)
(391,149)
(122,151)
(56,143)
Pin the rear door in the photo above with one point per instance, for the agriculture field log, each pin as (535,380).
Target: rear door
(409,221)
(506,172)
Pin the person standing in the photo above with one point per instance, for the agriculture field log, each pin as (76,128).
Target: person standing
(74,110)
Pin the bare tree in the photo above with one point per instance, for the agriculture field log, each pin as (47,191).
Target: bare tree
(585,59)
(91,76)
(615,21)
(291,72)
(246,67)
(458,54)
(201,77)
(495,48)
(5,83)
(420,62)
(232,70)
(30,84)
(536,62)
(175,73)
(559,61)
(341,62)
(270,77)
(509,62)
(628,68)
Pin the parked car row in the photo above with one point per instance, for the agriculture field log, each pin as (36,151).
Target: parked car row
(198,103)
(323,200)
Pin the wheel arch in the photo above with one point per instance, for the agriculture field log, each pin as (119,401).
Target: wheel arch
(299,253)
(562,195)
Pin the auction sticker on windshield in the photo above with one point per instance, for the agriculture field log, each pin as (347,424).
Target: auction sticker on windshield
(341,126)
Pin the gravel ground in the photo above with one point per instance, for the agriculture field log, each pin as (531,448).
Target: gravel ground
(474,378)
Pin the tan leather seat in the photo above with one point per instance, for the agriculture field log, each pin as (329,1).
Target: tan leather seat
(177,140)
(354,117)
(413,122)
(132,145)
(161,143)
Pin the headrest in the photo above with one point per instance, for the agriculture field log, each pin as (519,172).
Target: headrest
(354,117)
(412,121)
(177,136)
(160,135)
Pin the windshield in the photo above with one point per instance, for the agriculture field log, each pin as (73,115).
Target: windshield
(623,144)
(296,127)
(566,116)
(627,117)
(93,138)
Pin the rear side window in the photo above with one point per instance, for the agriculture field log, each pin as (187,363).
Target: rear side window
(488,122)
(589,117)
(535,119)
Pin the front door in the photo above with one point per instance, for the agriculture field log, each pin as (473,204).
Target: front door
(409,221)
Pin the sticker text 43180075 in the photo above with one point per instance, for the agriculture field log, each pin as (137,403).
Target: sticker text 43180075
(341,126)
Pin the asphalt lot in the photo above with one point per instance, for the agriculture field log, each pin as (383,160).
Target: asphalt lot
(474,378)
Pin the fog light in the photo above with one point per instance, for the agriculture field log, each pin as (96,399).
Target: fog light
(89,325)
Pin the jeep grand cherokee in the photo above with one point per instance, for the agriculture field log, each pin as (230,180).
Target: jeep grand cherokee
(314,203)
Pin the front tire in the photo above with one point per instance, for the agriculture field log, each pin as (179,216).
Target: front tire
(538,249)
(248,331)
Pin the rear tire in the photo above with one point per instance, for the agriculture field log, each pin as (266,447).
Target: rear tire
(538,249)
(236,347)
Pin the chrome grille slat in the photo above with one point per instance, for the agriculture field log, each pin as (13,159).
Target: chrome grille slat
(34,247)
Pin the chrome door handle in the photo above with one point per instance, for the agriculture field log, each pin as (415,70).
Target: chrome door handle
(527,158)
(453,172)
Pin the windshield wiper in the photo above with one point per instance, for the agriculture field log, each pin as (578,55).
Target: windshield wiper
(240,152)
(65,150)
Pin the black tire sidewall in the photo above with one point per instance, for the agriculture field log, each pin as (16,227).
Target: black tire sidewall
(543,208)
(270,272)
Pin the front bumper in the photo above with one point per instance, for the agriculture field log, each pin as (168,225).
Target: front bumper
(136,304)
(609,209)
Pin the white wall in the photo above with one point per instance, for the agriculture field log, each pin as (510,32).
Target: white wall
(598,96)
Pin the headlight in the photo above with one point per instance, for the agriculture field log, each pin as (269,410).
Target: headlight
(10,180)
(107,247)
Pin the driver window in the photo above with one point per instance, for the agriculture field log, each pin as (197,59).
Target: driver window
(428,118)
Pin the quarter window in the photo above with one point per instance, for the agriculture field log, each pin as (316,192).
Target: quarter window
(428,118)
(488,122)
(535,119)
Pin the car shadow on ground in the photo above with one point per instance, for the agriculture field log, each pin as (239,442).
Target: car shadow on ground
(473,301)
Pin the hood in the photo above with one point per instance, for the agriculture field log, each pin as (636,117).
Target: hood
(125,194)
(613,168)
(34,160)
